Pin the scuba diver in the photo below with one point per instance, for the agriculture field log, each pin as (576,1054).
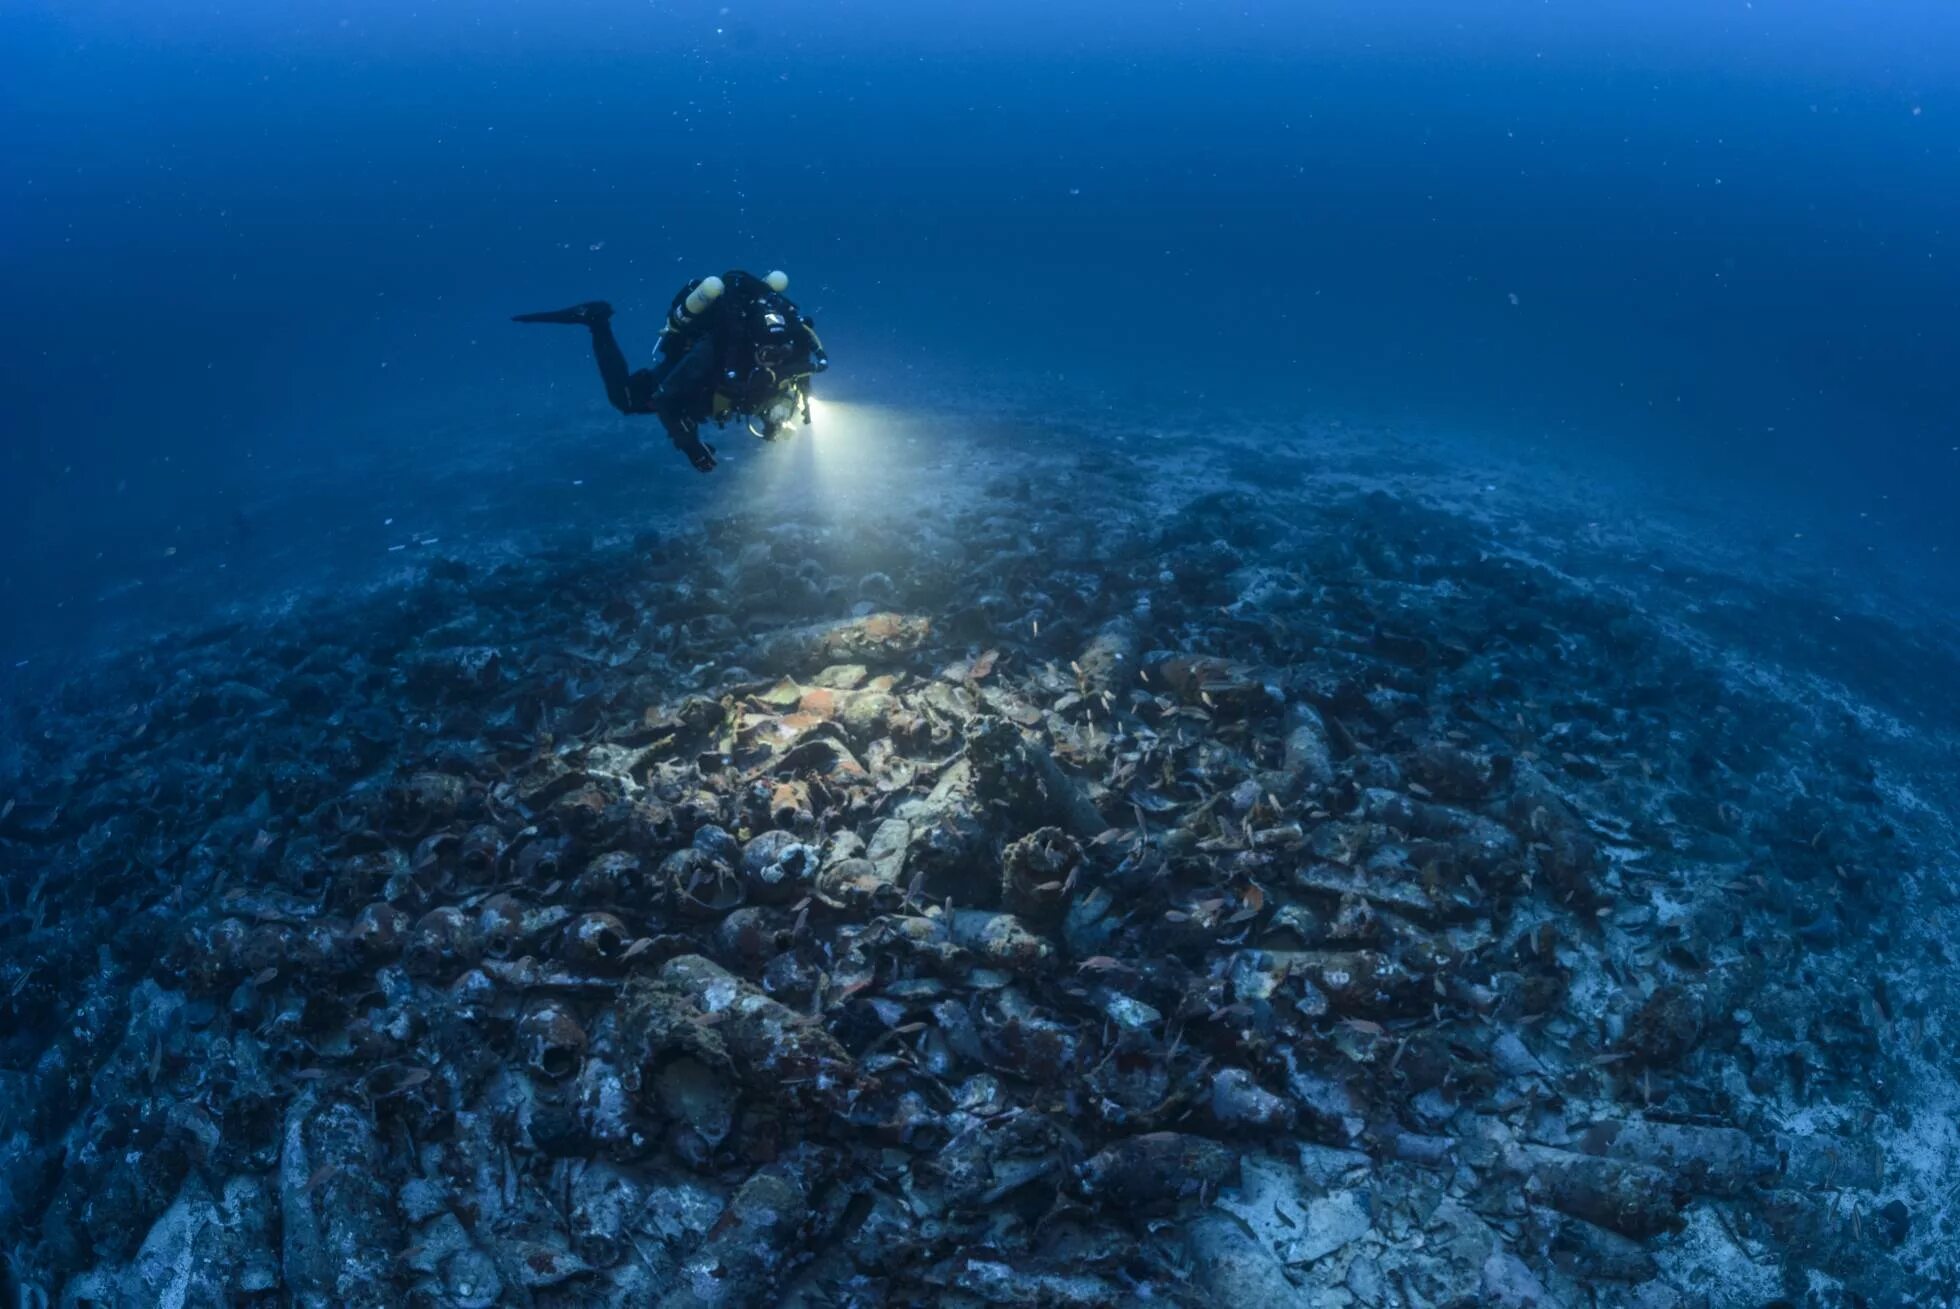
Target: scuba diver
(734,347)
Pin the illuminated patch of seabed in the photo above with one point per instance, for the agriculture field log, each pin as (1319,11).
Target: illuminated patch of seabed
(850,459)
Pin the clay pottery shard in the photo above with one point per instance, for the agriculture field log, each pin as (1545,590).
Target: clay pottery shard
(1449,772)
(1238,1102)
(595,941)
(874,639)
(615,877)
(425,798)
(1565,850)
(1222,686)
(1001,939)
(1364,983)
(865,715)
(1309,757)
(698,885)
(753,1245)
(1019,1041)
(777,867)
(1665,1027)
(841,677)
(693,1093)
(1158,1171)
(1708,1160)
(1108,664)
(510,927)
(1632,1199)
(772,1046)
(1479,843)
(821,756)
(1036,874)
(364,877)
(544,781)
(858,884)
(444,941)
(789,806)
(584,810)
(752,935)
(478,855)
(1592,1253)
(551,1041)
(648,826)
(337,1220)
(538,860)
(379,932)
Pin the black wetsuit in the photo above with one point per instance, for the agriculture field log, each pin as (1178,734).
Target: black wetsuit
(711,365)
(679,387)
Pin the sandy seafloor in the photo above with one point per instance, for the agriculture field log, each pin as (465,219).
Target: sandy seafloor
(1801,617)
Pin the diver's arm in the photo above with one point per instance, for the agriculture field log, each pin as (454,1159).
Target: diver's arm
(685,433)
(818,359)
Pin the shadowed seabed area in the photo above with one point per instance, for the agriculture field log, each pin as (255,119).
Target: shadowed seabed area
(1014,858)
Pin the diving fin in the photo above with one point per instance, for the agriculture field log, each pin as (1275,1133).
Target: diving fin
(589,314)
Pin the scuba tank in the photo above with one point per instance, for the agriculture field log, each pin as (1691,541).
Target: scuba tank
(696,303)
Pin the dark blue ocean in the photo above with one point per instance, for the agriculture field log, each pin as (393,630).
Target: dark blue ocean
(261,245)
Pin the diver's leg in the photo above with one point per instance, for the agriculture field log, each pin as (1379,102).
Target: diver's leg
(612,368)
(597,315)
(592,311)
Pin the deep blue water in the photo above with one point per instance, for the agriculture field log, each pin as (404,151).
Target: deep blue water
(254,240)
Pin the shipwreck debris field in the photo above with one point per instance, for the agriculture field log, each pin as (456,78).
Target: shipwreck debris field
(1111,872)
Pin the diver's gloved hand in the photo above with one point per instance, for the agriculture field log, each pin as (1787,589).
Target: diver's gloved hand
(698,452)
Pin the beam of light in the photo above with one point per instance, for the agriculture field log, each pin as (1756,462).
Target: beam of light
(836,464)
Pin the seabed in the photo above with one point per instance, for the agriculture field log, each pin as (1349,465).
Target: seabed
(1075,863)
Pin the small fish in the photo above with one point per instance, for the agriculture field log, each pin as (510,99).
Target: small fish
(262,842)
(638,948)
(264,975)
(983,665)
(320,1177)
